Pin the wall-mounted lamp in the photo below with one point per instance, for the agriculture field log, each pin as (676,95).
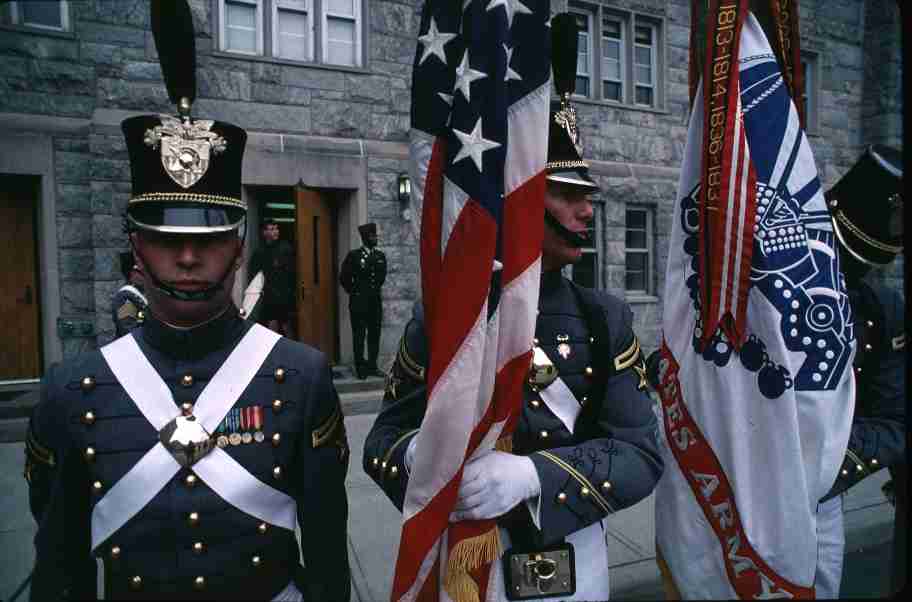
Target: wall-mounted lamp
(405,193)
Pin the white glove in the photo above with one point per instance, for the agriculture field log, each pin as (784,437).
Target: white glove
(493,484)
(410,453)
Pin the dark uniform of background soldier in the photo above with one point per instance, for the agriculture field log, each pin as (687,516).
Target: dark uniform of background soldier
(585,444)
(120,460)
(276,259)
(867,212)
(128,305)
(363,273)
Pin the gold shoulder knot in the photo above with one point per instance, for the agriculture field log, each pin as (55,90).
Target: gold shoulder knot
(332,431)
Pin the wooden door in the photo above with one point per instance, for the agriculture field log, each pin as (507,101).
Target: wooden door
(20,337)
(316,304)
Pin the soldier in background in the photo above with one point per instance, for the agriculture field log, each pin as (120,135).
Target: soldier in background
(867,214)
(128,305)
(184,456)
(276,259)
(363,273)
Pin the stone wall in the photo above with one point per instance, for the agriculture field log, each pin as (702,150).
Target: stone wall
(106,69)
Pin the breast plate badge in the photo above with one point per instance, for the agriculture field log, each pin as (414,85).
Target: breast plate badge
(186,439)
(186,147)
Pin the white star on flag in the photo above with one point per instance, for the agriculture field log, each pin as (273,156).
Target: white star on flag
(510,75)
(465,75)
(434,41)
(512,7)
(473,145)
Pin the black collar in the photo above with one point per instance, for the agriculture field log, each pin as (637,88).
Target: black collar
(197,341)
(550,281)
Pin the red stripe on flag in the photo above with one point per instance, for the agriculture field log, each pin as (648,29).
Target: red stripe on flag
(469,252)
(748,574)
(431,226)
(524,218)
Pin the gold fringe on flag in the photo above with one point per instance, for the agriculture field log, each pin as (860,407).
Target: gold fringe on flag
(468,555)
(504,444)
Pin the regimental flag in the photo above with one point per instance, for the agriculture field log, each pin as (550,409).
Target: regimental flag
(755,429)
(480,94)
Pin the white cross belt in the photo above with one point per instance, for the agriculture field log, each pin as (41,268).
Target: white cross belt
(231,481)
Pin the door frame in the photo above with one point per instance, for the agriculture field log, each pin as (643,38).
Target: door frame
(32,154)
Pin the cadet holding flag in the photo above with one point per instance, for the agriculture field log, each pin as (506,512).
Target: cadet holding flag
(182,455)
(755,372)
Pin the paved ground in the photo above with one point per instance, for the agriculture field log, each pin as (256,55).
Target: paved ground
(374,534)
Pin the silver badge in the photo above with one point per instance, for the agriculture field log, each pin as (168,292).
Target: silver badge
(566,118)
(186,147)
(186,439)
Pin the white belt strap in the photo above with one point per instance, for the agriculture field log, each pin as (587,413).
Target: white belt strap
(218,470)
(561,400)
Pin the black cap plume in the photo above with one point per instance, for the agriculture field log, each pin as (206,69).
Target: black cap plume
(175,40)
(564,41)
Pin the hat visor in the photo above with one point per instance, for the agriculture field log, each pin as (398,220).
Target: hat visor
(185,218)
(572,177)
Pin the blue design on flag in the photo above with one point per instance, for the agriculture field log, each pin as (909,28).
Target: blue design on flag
(795,265)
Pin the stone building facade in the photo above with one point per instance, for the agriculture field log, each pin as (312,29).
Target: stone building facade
(342,130)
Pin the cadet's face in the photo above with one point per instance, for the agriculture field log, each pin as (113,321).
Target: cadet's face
(571,206)
(370,240)
(271,232)
(188,262)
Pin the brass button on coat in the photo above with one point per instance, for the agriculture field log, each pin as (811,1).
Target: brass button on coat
(543,434)
(535,404)
(277,472)
(588,370)
(115,552)
(186,408)
(193,518)
(87,383)
(199,548)
(190,480)
(97,487)
(187,380)
(561,497)
(140,316)
(256,561)
(277,405)
(262,527)
(394,471)
(90,453)
(276,439)
(606,486)
(135,582)
(584,492)
(88,418)
(279,375)
(199,583)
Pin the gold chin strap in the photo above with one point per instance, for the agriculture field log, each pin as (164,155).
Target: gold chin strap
(841,217)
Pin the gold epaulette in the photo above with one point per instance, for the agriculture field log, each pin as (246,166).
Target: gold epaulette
(35,453)
(627,357)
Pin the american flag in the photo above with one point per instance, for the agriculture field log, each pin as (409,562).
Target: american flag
(480,97)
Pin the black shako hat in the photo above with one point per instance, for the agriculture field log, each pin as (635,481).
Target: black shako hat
(867,209)
(186,173)
(565,148)
(367,229)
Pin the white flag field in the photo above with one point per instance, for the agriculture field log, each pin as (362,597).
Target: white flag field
(753,438)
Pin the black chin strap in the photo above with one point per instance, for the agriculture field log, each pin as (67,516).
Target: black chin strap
(572,238)
(204,295)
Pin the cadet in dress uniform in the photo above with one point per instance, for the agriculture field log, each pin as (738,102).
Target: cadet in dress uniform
(182,455)
(585,444)
(363,273)
(128,305)
(867,213)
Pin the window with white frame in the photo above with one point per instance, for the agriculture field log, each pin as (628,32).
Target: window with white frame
(629,50)
(52,15)
(321,31)
(638,251)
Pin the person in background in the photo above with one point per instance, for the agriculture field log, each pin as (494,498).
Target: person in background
(128,305)
(362,275)
(276,259)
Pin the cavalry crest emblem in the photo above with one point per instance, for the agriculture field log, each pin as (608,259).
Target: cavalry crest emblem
(186,147)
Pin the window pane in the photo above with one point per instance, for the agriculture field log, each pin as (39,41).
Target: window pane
(635,239)
(611,69)
(240,26)
(293,35)
(636,219)
(643,56)
(635,277)
(611,91)
(340,44)
(643,74)
(582,85)
(341,7)
(611,28)
(611,49)
(644,95)
(41,12)
(584,270)
(643,35)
